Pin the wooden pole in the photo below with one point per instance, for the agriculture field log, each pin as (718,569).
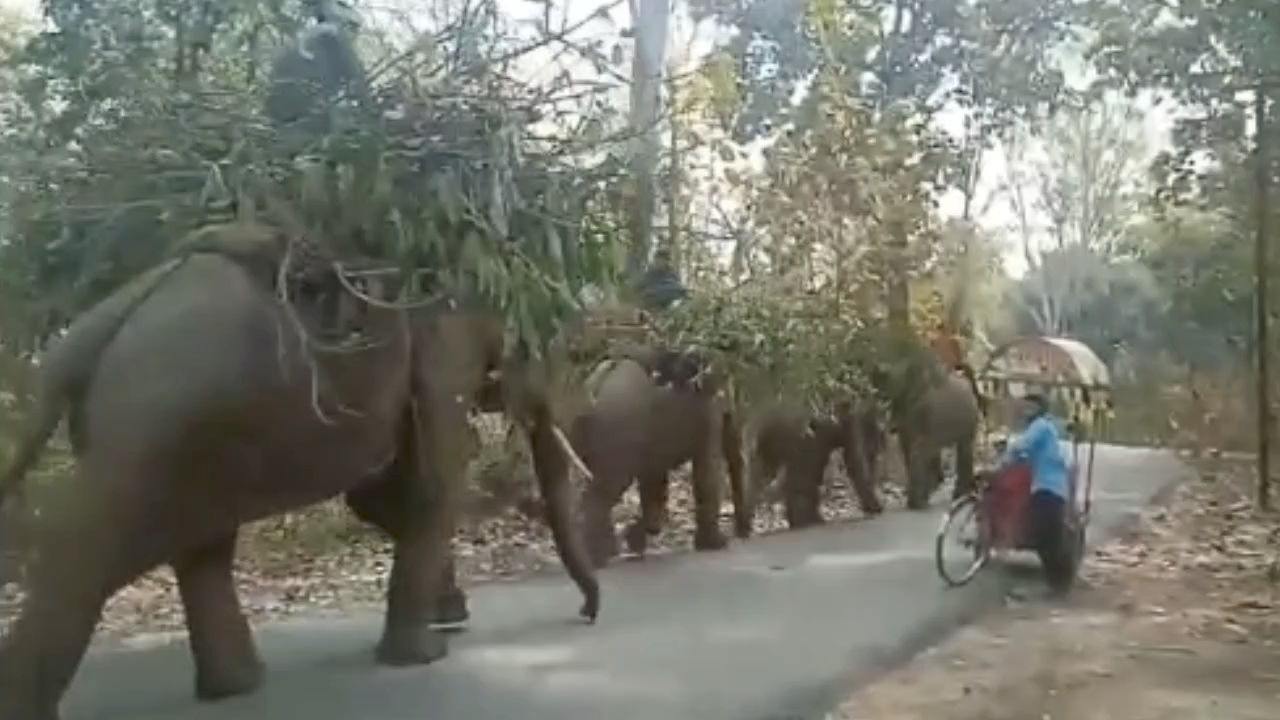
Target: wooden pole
(1261,343)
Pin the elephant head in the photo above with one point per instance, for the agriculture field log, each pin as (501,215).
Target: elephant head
(932,407)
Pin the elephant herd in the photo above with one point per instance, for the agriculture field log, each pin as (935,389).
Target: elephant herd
(235,382)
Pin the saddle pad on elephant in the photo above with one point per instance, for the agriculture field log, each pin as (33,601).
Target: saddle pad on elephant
(607,325)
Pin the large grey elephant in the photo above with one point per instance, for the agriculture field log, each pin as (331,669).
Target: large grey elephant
(945,413)
(651,410)
(194,405)
(524,390)
(791,441)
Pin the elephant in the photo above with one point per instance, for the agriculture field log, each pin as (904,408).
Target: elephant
(790,440)
(652,410)
(522,389)
(207,393)
(945,414)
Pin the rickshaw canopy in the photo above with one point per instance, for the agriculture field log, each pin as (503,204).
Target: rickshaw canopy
(1053,360)
(1063,368)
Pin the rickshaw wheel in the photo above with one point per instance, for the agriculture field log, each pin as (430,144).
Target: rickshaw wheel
(964,514)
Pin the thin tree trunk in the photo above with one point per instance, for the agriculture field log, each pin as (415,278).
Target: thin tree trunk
(650,18)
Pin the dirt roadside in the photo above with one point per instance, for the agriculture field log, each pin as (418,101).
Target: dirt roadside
(1179,621)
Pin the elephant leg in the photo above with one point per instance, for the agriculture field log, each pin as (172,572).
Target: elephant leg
(551,465)
(83,555)
(598,499)
(919,467)
(803,487)
(937,475)
(433,446)
(376,503)
(762,474)
(707,482)
(653,488)
(965,478)
(861,477)
(743,507)
(226,660)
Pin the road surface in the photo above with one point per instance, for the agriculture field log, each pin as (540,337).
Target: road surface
(776,628)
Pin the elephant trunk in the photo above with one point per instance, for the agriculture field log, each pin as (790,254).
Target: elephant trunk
(731,448)
(551,459)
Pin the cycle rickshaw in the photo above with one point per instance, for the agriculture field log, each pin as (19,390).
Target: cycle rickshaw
(992,517)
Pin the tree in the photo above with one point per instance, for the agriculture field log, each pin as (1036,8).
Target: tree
(1203,266)
(1083,173)
(906,59)
(650,19)
(133,127)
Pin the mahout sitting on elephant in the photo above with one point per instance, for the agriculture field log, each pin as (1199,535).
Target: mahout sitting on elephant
(208,393)
(790,441)
(651,410)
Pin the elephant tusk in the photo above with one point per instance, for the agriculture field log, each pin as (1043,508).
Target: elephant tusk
(573,455)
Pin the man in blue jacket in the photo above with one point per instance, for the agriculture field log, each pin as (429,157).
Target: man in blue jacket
(1051,491)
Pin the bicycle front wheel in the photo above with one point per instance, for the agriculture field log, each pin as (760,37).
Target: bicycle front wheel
(962,547)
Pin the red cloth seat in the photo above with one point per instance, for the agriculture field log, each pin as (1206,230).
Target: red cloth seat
(1006,500)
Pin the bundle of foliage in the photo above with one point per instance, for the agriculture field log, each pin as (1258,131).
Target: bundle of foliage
(767,342)
(427,163)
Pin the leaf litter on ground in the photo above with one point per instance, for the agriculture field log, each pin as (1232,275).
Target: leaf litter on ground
(1177,621)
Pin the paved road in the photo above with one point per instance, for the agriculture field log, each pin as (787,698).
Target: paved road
(773,629)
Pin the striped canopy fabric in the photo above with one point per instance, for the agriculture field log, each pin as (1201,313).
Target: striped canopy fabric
(1066,371)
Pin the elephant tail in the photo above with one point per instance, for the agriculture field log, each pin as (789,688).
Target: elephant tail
(68,367)
(48,416)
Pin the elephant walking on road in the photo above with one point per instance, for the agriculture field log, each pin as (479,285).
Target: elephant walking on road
(944,415)
(193,406)
(488,381)
(651,411)
(790,441)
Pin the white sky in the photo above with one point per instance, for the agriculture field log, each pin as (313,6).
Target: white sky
(688,43)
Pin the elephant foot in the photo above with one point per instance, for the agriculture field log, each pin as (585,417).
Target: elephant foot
(873,508)
(411,645)
(241,678)
(709,540)
(452,614)
(19,701)
(602,547)
(742,528)
(18,712)
(804,522)
(590,609)
(637,539)
(918,498)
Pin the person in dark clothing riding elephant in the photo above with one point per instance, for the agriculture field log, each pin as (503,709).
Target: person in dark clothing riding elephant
(660,286)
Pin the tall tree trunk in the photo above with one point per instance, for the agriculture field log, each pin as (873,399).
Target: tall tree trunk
(650,19)
(675,174)
(897,292)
